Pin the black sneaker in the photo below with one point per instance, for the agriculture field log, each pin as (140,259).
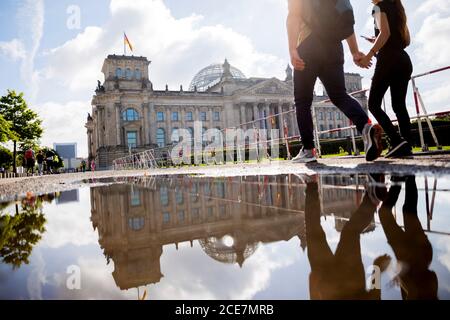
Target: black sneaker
(402,149)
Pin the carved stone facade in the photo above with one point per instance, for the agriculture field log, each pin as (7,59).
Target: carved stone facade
(129,115)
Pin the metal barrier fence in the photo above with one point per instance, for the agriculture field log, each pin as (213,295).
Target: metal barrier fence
(161,156)
(10,175)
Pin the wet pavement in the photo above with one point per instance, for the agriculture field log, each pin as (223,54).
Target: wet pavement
(287,236)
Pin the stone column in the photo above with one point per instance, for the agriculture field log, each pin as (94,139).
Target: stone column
(243,115)
(281,119)
(169,125)
(183,118)
(153,124)
(268,121)
(145,113)
(292,116)
(118,120)
(255,115)
(211,121)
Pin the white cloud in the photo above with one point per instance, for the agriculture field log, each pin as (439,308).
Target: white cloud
(69,223)
(64,123)
(36,278)
(177,47)
(432,50)
(433,6)
(444,258)
(434,47)
(31,27)
(13,49)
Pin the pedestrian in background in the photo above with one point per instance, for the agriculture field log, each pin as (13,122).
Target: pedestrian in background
(40,161)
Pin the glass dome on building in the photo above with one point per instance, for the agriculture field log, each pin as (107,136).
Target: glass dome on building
(211,75)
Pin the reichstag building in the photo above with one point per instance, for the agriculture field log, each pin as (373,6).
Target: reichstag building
(128,114)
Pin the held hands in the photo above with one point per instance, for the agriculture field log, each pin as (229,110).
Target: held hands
(296,61)
(362,60)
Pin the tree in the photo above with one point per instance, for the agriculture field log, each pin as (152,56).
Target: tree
(19,233)
(6,158)
(5,132)
(24,122)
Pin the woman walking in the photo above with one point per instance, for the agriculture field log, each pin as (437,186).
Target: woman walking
(393,70)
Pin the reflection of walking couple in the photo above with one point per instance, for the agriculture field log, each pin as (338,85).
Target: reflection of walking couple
(341,275)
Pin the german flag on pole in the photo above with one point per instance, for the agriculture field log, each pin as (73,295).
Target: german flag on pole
(127,42)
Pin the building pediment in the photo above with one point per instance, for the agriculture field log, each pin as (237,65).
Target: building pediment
(269,87)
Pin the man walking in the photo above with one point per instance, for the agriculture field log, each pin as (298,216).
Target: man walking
(316,29)
(40,161)
(30,160)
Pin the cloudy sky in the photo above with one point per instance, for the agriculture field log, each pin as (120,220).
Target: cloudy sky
(55,59)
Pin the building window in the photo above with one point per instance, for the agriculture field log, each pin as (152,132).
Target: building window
(189,116)
(160,116)
(136,224)
(322,128)
(204,138)
(222,212)
(195,214)
(130,115)
(179,196)
(338,115)
(320,115)
(194,193)
(175,116)
(339,132)
(181,216)
(191,132)
(207,189)
(203,116)
(132,139)
(161,137)
(135,198)
(166,218)
(164,196)
(138,74)
(175,137)
(330,115)
(216,116)
(119,73)
(221,190)
(129,74)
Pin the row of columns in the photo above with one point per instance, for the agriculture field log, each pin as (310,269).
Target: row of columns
(278,109)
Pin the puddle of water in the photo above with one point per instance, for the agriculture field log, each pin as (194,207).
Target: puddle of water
(262,237)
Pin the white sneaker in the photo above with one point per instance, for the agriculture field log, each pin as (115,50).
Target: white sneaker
(372,141)
(305,156)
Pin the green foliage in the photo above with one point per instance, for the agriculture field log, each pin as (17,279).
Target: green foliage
(19,233)
(6,158)
(24,122)
(58,161)
(5,132)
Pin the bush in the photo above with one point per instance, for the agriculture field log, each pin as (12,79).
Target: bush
(6,158)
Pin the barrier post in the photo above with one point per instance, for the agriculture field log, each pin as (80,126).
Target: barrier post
(355,150)
(316,133)
(419,119)
(427,118)
(286,139)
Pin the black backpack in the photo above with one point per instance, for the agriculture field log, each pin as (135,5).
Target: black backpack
(331,19)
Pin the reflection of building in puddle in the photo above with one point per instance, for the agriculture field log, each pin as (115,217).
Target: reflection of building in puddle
(228,217)
(68,196)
